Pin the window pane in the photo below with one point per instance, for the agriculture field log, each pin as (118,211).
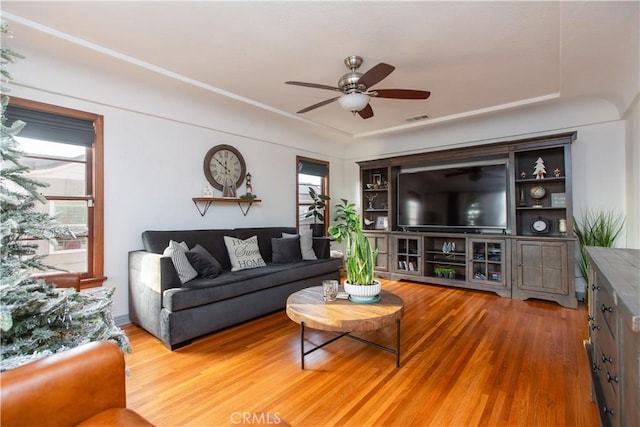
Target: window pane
(70,253)
(61,166)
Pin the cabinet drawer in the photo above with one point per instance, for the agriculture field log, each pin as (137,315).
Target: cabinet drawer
(606,312)
(608,405)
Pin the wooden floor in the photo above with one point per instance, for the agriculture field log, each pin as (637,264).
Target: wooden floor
(468,359)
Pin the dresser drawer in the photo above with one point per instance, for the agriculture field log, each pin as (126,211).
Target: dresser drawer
(606,312)
(608,403)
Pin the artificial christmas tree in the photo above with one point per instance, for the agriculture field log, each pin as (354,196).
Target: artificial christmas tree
(36,319)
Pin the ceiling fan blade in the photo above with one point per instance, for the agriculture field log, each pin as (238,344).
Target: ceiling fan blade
(376,74)
(401,93)
(313,85)
(366,112)
(318,105)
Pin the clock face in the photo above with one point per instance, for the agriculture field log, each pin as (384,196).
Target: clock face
(539,225)
(224,165)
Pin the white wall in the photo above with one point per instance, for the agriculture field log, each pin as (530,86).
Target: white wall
(632,178)
(155,143)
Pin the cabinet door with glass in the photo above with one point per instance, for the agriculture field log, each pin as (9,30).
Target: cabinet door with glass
(487,262)
(407,253)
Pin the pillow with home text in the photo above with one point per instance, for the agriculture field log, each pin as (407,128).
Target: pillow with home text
(243,254)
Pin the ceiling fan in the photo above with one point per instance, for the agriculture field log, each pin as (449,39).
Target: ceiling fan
(356,88)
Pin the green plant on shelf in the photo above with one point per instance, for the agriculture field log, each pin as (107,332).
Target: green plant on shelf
(445,272)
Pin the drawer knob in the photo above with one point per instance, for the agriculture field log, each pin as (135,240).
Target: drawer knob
(595,327)
(607,411)
(611,378)
(606,358)
(596,368)
(595,287)
(590,318)
(604,308)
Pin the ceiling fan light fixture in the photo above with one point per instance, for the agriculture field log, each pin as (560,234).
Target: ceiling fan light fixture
(354,102)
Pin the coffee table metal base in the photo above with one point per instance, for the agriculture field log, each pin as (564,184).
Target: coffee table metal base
(395,351)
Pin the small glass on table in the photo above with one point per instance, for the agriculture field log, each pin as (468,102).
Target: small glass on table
(329,290)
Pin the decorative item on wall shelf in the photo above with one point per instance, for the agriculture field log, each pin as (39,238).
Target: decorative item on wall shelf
(249,185)
(377,180)
(537,192)
(207,190)
(539,171)
(229,189)
(557,172)
(523,175)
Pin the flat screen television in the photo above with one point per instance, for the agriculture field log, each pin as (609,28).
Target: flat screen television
(463,197)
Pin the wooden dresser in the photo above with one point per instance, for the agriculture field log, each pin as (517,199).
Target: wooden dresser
(613,346)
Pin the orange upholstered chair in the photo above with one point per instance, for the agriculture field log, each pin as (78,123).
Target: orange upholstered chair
(81,386)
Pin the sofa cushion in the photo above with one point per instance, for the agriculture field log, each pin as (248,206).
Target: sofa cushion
(306,243)
(228,284)
(286,249)
(243,254)
(203,262)
(264,235)
(178,253)
(212,240)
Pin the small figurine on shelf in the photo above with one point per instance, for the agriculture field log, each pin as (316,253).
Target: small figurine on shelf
(557,172)
(207,190)
(371,198)
(249,187)
(539,171)
(523,175)
(249,194)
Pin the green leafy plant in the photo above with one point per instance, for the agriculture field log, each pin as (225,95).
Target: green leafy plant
(596,228)
(316,210)
(360,259)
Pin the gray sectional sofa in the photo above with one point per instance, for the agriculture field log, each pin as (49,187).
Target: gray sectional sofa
(176,313)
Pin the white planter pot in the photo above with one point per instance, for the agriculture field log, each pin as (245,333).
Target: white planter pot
(363,293)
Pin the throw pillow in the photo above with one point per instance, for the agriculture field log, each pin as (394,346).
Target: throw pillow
(306,243)
(286,249)
(178,253)
(203,262)
(243,254)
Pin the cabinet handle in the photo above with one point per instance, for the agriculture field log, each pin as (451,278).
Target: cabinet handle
(611,378)
(606,358)
(595,327)
(604,308)
(596,368)
(590,318)
(607,411)
(595,287)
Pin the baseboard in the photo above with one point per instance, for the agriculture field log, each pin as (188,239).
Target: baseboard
(122,320)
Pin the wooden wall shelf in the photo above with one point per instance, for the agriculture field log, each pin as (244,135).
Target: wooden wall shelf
(203,203)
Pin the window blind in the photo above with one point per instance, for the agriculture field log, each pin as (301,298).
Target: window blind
(52,127)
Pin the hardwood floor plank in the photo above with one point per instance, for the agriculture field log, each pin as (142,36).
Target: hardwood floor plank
(467,359)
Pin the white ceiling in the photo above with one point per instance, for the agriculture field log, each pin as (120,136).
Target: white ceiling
(474,57)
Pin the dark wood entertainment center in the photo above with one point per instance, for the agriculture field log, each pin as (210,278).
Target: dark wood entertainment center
(516,261)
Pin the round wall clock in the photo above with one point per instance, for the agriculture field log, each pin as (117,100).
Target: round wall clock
(539,225)
(224,165)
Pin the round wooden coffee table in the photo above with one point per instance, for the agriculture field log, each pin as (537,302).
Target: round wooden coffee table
(307,308)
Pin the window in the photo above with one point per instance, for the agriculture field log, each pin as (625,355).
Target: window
(63,148)
(315,174)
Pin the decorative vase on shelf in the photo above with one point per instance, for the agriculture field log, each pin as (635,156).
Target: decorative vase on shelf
(363,293)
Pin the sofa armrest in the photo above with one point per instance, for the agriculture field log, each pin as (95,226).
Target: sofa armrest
(65,388)
(322,247)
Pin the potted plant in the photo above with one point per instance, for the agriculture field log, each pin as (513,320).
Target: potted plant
(360,259)
(596,228)
(316,210)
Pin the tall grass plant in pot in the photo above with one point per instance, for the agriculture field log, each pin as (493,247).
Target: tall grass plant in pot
(360,259)
(596,228)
